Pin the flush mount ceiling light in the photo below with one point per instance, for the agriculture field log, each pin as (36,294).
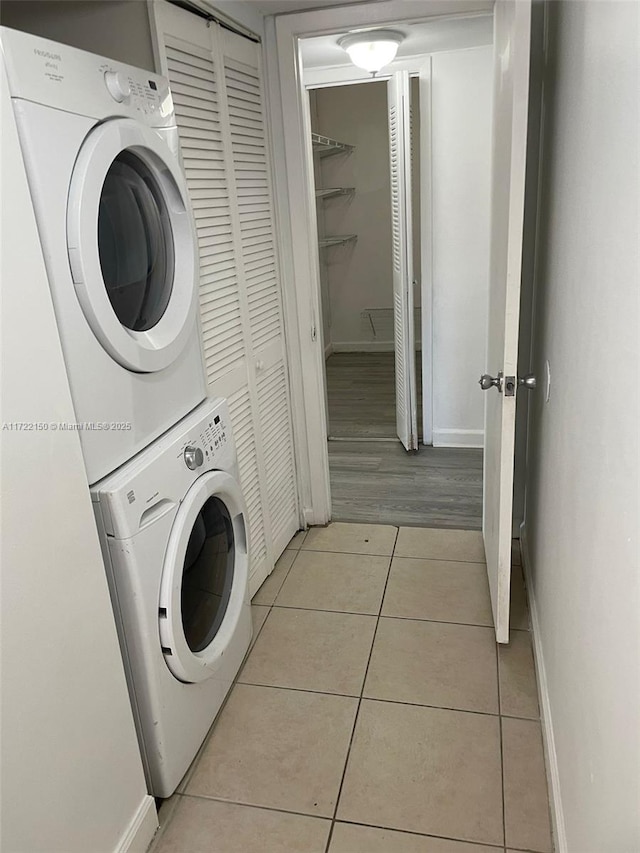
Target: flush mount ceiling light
(372,49)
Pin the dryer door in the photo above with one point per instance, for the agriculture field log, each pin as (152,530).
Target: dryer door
(205,577)
(132,245)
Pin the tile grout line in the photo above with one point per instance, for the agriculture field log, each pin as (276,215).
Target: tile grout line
(357,714)
(387,701)
(385,616)
(207,798)
(393,555)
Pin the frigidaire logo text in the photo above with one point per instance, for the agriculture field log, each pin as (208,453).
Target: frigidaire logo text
(47,55)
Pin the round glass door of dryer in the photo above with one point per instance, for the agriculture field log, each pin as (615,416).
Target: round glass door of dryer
(132,246)
(205,577)
(135,243)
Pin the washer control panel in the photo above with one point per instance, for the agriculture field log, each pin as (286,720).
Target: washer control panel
(193,457)
(202,447)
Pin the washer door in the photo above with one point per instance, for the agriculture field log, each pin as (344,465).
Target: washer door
(132,246)
(204,579)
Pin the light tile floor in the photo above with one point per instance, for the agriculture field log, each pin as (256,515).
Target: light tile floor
(374,713)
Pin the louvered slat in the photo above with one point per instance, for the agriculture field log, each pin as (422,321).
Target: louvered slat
(193,80)
(244,96)
(244,435)
(274,424)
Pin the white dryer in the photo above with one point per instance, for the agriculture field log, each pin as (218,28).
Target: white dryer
(174,536)
(100,146)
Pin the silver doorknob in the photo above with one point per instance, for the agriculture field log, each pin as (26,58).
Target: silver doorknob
(487,381)
(529,381)
(193,457)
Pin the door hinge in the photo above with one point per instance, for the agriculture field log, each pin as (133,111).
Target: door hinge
(314,332)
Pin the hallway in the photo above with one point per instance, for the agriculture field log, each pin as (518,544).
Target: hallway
(374,713)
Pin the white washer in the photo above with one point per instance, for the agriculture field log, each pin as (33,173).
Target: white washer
(101,151)
(173,530)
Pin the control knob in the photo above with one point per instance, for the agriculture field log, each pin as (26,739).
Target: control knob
(118,85)
(193,457)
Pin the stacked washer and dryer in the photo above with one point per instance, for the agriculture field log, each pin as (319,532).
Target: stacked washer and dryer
(100,147)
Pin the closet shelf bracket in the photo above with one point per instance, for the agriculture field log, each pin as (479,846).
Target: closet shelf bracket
(325,242)
(325,146)
(330,192)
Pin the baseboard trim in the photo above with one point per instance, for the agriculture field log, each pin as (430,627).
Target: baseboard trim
(548,738)
(328,350)
(139,834)
(458,438)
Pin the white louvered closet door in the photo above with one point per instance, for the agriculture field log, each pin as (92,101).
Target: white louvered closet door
(215,81)
(398,94)
(251,175)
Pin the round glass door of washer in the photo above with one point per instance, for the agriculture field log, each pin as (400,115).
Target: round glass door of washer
(204,581)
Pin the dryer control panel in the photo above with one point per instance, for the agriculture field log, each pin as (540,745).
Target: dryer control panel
(65,78)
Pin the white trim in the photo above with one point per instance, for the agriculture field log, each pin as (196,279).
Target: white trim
(139,834)
(328,350)
(349,75)
(426,248)
(548,738)
(457,437)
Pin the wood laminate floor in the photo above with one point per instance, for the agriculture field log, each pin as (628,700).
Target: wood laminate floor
(362,394)
(378,481)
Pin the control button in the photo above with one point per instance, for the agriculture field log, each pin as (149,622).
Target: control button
(193,457)
(118,85)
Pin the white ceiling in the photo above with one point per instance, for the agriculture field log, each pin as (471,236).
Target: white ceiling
(431,37)
(280,7)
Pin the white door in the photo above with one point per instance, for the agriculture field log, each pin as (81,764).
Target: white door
(512,29)
(398,96)
(216,83)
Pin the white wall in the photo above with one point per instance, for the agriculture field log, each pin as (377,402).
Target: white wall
(118,29)
(461,171)
(72,779)
(583,481)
